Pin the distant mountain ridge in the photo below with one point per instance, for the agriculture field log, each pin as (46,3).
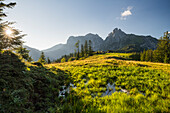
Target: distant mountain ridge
(34,53)
(116,40)
(58,46)
(95,38)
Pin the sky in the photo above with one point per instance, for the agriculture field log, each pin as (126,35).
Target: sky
(50,22)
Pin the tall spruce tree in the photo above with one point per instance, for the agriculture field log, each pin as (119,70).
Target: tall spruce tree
(48,60)
(24,53)
(146,55)
(90,48)
(156,56)
(150,55)
(82,50)
(77,46)
(166,59)
(163,48)
(10,37)
(86,48)
(142,56)
(42,58)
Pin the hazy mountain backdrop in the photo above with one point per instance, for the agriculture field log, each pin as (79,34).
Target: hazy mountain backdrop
(116,40)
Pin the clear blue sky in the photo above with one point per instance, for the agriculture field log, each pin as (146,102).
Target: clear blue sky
(50,22)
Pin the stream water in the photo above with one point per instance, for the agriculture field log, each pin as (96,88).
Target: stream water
(110,88)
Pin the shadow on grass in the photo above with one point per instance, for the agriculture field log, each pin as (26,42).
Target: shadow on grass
(33,88)
(118,58)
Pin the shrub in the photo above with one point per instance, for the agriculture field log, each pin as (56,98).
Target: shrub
(37,64)
(71,59)
(28,89)
(63,60)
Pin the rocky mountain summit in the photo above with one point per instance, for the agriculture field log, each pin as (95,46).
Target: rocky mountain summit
(97,41)
(117,40)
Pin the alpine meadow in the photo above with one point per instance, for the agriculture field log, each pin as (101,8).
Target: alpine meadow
(58,64)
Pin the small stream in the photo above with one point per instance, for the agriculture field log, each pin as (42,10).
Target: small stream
(64,90)
(110,88)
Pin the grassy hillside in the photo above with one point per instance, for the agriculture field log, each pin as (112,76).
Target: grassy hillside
(99,84)
(140,86)
(26,88)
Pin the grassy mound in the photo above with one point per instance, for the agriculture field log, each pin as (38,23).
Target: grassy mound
(28,88)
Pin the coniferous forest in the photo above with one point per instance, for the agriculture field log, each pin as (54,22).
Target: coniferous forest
(161,54)
(85,81)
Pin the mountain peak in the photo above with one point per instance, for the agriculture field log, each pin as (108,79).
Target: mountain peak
(116,40)
(91,35)
(117,32)
(116,29)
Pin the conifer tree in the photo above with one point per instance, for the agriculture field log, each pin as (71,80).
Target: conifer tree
(77,46)
(42,58)
(10,38)
(166,59)
(142,56)
(24,53)
(75,53)
(86,48)
(48,60)
(151,55)
(90,48)
(147,55)
(163,48)
(156,56)
(82,50)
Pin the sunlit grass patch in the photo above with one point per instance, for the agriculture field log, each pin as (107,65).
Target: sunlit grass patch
(146,84)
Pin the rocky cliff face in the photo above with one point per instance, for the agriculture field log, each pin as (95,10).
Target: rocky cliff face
(65,49)
(116,40)
(113,40)
(97,41)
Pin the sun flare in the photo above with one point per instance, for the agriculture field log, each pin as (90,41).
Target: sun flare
(8,32)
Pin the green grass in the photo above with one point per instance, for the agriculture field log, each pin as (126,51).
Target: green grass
(28,88)
(91,76)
